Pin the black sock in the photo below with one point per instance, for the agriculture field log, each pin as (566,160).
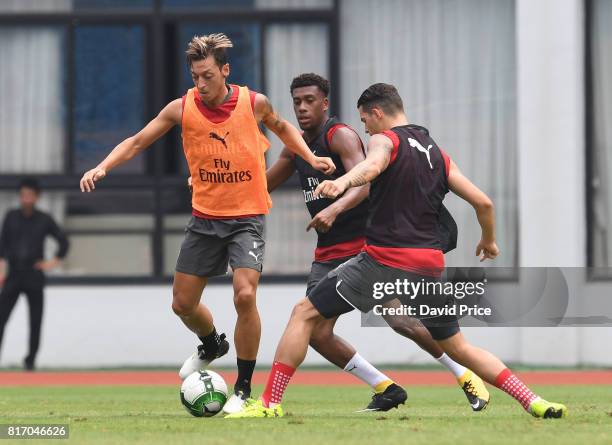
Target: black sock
(211,342)
(245,374)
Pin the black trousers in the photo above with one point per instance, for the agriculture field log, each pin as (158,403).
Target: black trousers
(31,283)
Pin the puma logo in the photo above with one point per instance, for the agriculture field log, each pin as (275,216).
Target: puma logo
(414,143)
(214,135)
(254,255)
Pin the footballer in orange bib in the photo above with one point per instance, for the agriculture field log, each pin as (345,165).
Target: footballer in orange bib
(225,152)
(226,159)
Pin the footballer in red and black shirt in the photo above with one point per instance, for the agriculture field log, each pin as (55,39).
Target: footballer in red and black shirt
(340,225)
(409,177)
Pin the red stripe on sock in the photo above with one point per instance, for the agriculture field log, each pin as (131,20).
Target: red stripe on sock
(502,377)
(278,379)
(510,384)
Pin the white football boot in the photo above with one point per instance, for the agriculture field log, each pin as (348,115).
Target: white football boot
(236,403)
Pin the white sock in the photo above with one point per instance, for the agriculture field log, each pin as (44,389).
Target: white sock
(361,368)
(454,367)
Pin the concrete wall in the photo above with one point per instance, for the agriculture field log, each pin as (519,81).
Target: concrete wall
(134,325)
(550,85)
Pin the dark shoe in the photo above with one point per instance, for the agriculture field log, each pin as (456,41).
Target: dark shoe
(198,361)
(212,355)
(28,365)
(392,397)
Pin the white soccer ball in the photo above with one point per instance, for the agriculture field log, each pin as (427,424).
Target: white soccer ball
(204,393)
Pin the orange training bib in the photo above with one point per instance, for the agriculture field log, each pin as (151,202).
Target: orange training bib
(226,160)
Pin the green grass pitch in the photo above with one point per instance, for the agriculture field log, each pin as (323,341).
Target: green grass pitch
(316,415)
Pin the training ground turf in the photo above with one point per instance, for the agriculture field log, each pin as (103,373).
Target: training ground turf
(317,415)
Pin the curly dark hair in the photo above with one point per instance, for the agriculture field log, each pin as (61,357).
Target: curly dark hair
(383,96)
(308,80)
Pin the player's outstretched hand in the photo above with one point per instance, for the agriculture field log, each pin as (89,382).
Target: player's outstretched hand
(89,179)
(487,250)
(325,165)
(330,189)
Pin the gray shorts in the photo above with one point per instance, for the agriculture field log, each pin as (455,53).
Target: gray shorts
(320,269)
(355,285)
(210,244)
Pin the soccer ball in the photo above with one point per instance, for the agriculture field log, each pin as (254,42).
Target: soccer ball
(204,393)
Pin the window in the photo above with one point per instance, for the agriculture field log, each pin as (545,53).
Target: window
(80,5)
(292,49)
(109,94)
(99,89)
(32,109)
(470,108)
(599,133)
(177,5)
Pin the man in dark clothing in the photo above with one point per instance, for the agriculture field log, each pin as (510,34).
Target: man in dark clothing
(21,246)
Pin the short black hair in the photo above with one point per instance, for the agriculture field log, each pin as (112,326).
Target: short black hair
(30,183)
(310,79)
(383,96)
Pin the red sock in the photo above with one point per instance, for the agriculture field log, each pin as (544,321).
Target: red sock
(278,379)
(509,383)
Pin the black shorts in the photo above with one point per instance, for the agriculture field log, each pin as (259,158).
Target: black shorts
(355,284)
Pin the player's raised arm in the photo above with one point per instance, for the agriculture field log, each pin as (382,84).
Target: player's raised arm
(346,144)
(281,170)
(465,189)
(130,147)
(380,148)
(291,137)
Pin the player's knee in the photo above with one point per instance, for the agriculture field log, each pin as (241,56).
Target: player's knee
(405,331)
(182,305)
(304,311)
(183,308)
(404,326)
(245,299)
(321,336)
